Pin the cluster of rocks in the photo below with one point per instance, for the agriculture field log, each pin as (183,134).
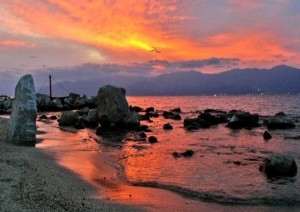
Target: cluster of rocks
(72,102)
(112,112)
(5,104)
(45,103)
(237,119)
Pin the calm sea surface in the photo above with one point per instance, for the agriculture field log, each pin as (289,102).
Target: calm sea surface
(224,167)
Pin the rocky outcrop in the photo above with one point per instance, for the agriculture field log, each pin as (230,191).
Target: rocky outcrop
(279,165)
(113,108)
(22,125)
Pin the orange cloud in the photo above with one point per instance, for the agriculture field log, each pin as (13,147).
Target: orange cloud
(14,44)
(134,30)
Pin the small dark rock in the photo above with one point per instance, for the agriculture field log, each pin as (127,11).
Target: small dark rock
(195,123)
(152,114)
(176,155)
(168,126)
(149,109)
(145,117)
(267,135)
(135,109)
(176,110)
(142,135)
(237,163)
(280,114)
(171,115)
(152,139)
(188,153)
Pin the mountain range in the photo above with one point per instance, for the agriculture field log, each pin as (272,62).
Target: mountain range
(281,79)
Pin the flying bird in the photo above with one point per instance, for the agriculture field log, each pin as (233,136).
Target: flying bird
(155,50)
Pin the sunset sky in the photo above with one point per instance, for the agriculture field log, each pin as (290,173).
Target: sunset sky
(210,35)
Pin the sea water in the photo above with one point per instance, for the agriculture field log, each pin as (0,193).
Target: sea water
(225,164)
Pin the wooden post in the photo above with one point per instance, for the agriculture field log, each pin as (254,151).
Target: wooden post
(50,85)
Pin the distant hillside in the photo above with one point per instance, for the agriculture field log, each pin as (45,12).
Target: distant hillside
(278,80)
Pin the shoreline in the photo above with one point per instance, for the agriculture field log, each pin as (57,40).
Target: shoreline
(31,179)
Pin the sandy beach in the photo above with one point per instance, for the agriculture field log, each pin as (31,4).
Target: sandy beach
(30,180)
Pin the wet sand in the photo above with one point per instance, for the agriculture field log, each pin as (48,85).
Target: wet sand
(31,180)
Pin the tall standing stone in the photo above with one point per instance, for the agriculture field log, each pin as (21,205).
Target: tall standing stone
(22,126)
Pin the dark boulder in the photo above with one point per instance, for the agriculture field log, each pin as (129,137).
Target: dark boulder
(280,114)
(195,123)
(43,102)
(152,139)
(79,125)
(149,109)
(280,122)
(168,126)
(267,135)
(56,105)
(279,165)
(145,117)
(214,119)
(135,109)
(242,119)
(176,110)
(171,115)
(187,153)
(152,114)
(142,135)
(91,119)
(68,118)
(113,108)
(71,100)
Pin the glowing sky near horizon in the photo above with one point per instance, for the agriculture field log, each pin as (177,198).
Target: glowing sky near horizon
(37,34)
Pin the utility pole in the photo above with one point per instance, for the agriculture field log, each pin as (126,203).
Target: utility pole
(50,85)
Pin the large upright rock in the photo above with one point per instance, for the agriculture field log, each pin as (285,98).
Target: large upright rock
(113,108)
(22,126)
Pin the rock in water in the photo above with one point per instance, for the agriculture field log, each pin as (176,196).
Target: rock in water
(113,108)
(267,135)
(279,165)
(22,126)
